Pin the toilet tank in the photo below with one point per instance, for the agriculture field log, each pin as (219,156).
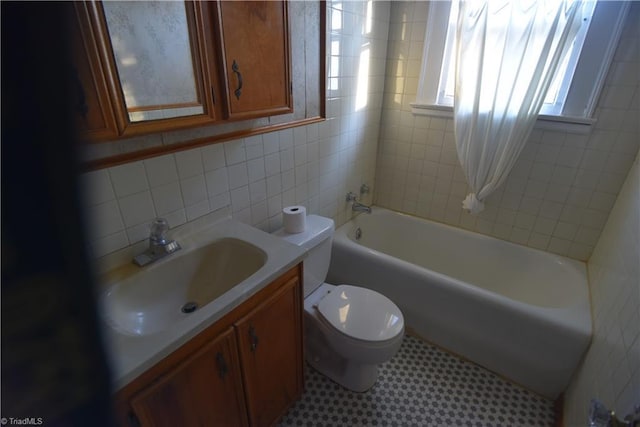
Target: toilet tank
(316,240)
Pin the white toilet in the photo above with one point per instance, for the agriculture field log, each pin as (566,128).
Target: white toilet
(349,330)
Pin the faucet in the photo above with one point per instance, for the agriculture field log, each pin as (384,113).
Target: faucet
(357,206)
(159,246)
(600,416)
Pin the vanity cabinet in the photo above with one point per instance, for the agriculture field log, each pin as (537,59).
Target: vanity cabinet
(218,61)
(204,389)
(267,356)
(245,369)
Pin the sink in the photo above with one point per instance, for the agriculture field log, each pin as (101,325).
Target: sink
(149,300)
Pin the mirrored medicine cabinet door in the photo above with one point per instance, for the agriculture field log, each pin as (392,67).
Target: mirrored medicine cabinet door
(154,57)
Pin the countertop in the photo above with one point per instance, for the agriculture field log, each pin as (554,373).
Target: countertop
(131,355)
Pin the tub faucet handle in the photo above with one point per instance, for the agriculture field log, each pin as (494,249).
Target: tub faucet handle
(351,196)
(601,416)
(364,189)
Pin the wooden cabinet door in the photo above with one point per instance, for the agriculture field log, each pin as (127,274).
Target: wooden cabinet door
(203,390)
(270,343)
(254,42)
(94,117)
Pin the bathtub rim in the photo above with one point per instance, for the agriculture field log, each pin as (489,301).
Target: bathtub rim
(575,317)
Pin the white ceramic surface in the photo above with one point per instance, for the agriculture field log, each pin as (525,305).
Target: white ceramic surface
(238,259)
(520,312)
(151,299)
(316,239)
(361,313)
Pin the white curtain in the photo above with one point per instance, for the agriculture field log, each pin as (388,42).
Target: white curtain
(506,56)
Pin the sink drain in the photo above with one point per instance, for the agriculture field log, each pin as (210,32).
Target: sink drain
(189,307)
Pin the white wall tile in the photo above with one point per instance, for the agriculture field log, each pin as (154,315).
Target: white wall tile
(161,170)
(558,176)
(197,210)
(128,179)
(176,218)
(96,187)
(213,157)
(167,198)
(280,141)
(217,181)
(240,198)
(106,245)
(234,152)
(104,219)
(559,246)
(194,190)
(219,201)
(258,191)
(189,163)
(611,367)
(137,209)
(256,169)
(254,151)
(314,163)
(272,164)
(138,233)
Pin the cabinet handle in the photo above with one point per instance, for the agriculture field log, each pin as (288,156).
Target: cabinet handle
(254,338)
(222,365)
(236,69)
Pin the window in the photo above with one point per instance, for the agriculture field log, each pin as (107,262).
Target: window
(573,95)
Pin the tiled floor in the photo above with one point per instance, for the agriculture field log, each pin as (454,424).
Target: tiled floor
(421,386)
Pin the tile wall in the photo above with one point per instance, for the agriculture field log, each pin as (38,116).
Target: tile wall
(559,194)
(558,197)
(256,177)
(610,371)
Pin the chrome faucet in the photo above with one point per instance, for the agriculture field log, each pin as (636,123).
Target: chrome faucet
(600,416)
(159,246)
(357,206)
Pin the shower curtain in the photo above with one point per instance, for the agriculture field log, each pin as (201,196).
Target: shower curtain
(507,53)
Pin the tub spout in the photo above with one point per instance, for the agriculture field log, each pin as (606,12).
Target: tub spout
(600,416)
(359,207)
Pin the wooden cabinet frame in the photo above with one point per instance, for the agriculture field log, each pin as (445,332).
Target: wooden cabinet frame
(239,319)
(203,53)
(228,13)
(205,21)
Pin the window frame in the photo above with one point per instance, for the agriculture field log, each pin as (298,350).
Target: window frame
(584,90)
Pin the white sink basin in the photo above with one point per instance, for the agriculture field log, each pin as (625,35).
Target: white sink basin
(148,300)
(222,263)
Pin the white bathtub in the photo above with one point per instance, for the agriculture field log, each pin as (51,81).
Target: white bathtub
(517,311)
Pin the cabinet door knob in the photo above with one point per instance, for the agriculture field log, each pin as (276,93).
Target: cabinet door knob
(236,69)
(222,365)
(253,337)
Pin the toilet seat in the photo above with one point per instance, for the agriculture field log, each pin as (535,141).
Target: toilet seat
(361,313)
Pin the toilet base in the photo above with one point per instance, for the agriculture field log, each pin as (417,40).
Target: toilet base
(358,379)
(351,375)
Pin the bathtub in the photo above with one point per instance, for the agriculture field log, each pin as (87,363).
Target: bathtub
(517,311)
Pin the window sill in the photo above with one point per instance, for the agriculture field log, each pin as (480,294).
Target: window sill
(579,125)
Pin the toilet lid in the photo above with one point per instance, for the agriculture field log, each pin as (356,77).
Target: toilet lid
(361,313)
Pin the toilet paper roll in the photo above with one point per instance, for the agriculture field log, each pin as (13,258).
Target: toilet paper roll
(294,219)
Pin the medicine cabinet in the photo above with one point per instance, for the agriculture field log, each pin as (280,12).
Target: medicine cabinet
(147,67)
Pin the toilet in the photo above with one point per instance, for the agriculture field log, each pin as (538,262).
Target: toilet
(349,330)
